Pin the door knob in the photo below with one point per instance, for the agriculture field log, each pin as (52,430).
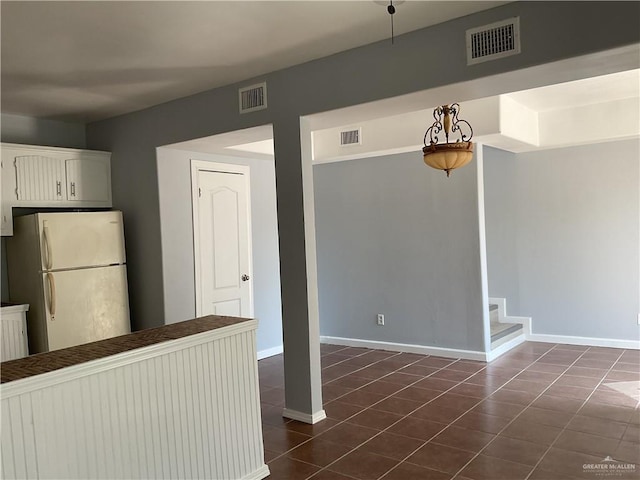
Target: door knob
(245,277)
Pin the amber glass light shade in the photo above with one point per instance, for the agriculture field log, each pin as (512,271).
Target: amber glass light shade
(448,156)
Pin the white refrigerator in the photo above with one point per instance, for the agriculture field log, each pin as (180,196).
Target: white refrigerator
(71,270)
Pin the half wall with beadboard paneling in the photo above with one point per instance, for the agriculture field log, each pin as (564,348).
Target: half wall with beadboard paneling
(187,408)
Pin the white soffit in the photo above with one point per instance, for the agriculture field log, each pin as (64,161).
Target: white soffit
(251,142)
(264,147)
(568,113)
(602,89)
(594,123)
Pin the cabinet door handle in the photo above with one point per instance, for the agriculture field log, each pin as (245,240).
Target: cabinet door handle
(59,188)
(73,189)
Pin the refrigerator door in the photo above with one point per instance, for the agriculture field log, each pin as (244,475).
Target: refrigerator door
(86,305)
(80,239)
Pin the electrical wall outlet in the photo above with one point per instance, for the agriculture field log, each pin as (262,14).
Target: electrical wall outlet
(380,318)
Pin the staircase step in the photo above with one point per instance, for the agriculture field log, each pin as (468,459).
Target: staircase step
(494,317)
(499,330)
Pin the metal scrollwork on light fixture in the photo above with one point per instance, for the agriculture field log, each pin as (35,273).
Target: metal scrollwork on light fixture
(449,155)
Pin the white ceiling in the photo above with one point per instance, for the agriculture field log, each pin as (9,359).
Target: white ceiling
(85,61)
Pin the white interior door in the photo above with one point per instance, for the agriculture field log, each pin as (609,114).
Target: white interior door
(86,305)
(222,243)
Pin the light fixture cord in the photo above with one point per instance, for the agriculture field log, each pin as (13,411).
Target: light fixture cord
(391,9)
(392,26)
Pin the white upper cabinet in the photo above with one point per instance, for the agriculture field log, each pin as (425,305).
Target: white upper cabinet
(88,179)
(39,178)
(35,177)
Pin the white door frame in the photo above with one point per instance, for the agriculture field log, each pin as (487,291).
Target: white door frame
(196,167)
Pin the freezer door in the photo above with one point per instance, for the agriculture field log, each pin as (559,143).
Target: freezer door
(86,305)
(80,239)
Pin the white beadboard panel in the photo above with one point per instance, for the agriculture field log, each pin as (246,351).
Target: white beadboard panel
(40,178)
(12,331)
(6,443)
(12,339)
(192,412)
(15,424)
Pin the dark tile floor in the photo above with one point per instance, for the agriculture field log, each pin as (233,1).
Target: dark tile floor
(540,412)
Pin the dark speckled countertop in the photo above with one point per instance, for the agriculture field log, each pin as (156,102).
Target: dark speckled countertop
(50,361)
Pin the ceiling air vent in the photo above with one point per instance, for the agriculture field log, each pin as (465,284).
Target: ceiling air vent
(253,97)
(490,42)
(351,137)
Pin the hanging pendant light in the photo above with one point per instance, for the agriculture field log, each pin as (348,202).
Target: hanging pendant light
(449,155)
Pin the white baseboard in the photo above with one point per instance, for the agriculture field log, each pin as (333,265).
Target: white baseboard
(408,348)
(259,474)
(586,341)
(270,352)
(304,417)
(504,348)
(566,339)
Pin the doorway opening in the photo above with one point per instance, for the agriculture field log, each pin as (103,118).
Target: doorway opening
(365,210)
(248,156)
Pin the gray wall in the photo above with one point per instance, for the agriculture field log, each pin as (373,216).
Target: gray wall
(500,219)
(563,237)
(419,60)
(399,238)
(551,31)
(40,131)
(174,185)
(35,131)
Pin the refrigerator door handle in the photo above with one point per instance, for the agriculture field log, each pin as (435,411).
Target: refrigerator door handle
(47,245)
(52,295)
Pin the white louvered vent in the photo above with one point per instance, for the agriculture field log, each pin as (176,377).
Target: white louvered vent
(351,137)
(493,41)
(253,97)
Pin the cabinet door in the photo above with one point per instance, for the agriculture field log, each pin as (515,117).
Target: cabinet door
(13,338)
(88,179)
(6,220)
(8,182)
(39,178)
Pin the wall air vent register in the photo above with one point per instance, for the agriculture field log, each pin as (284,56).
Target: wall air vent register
(351,137)
(253,97)
(490,42)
